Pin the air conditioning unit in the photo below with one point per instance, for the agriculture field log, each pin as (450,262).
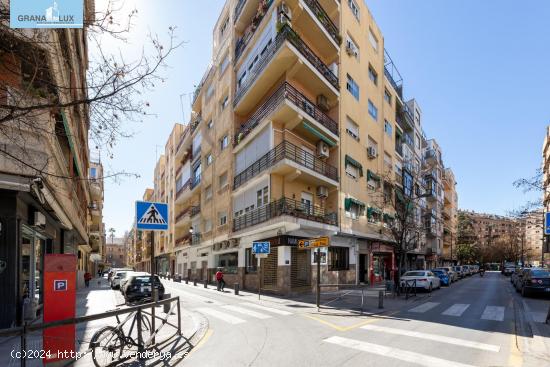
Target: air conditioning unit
(39,220)
(322,149)
(372,152)
(322,102)
(322,191)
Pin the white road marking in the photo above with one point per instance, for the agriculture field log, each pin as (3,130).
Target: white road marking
(434,337)
(538,316)
(245,311)
(195,297)
(456,310)
(268,309)
(395,353)
(424,307)
(221,315)
(495,313)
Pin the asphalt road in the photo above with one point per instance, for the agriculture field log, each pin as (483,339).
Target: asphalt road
(476,322)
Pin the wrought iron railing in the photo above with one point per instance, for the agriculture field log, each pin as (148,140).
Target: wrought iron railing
(285,91)
(285,150)
(195,238)
(286,33)
(195,210)
(249,33)
(284,206)
(325,20)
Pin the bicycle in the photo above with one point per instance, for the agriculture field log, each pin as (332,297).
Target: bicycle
(109,342)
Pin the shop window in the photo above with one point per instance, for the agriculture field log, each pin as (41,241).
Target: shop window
(228,262)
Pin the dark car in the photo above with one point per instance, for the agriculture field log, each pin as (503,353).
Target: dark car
(509,270)
(535,281)
(138,287)
(443,276)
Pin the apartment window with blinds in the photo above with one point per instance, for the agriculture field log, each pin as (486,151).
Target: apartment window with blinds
(352,87)
(210,125)
(373,40)
(224,142)
(338,258)
(352,128)
(388,129)
(222,180)
(224,64)
(208,193)
(354,8)
(224,102)
(209,159)
(373,111)
(222,218)
(387,96)
(207,225)
(223,27)
(262,197)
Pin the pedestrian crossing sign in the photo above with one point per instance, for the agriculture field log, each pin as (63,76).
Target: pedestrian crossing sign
(151,216)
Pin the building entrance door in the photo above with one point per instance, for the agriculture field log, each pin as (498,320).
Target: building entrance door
(300,268)
(31,276)
(363,268)
(307,202)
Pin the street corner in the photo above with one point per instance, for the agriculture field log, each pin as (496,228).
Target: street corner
(195,327)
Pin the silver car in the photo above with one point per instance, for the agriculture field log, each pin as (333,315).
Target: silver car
(450,271)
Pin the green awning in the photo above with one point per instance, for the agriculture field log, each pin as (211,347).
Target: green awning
(312,129)
(372,176)
(372,210)
(71,143)
(388,217)
(349,201)
(399,195)
(354,163)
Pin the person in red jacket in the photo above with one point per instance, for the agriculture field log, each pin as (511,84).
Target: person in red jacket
(219,279)
(87,278)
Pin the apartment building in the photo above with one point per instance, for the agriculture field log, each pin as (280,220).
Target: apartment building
(116,252)
(450,219)
(490,227)
(299,127)
(546,189)
(533,224)
(95,218)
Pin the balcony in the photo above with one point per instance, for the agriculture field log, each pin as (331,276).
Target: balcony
(318,12)
(195,123)
(183,240)
(183,217)
(284,206)
(250,30)
(287,158)
(404,116)
(289,97)
(183,191)
(184,144)
(392,74)
(196,238)
(288,54)
(195,210)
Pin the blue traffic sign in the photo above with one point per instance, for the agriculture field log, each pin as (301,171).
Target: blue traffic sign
(151,216)
(261,247)
(547,223)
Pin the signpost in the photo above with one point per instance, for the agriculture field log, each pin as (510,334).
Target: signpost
(261,249)
(152,217)
(316,243)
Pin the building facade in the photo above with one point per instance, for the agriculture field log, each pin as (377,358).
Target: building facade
(546,190)
(116,252)
(533,223)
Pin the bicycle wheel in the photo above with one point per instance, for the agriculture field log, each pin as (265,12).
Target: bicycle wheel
(106,345)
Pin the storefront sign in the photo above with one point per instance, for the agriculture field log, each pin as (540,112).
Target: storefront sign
(46,13)
(313,243)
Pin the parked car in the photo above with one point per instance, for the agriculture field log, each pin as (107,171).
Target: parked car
(443,276)
(507,265)
(466,270)
(424,279)
(535,280)
(450,271)
(517,274)
(459,272)
(509,270)
(138,287)
(476,268)
(125,276)
(115,279)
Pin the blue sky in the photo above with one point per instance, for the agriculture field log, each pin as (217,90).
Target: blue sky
(479,69)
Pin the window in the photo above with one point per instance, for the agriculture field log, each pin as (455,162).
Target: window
(222,218)
(223,27)
(209,159)
(352,87)
(388,128)
(224,64)
(387,161)
(407,184)
(352,128)
(373,111)
(338,258)
(353,208)
(207,225)
(352,171)
(222,179)
(351,48)
(387,96)
(373,75)
(224,142)
(417,141)
(373,40)
(372,143)
(262,197)
(210,124)
(250,261)
(354,8)
(224,102)
(210,91)
(93,172)
(208,192)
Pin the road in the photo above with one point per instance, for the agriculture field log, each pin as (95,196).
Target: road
(472,323)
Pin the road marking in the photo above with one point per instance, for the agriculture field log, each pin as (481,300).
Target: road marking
(376,317)
(424,307)
(268,309)
(456,310)
(190,296)
(245,311)
(203,340)
(495,313)
(221,315)
(434,337)
(395,353)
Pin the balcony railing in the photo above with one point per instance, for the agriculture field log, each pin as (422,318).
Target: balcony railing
(195,210)
(183,240)
(238,9)
(392,74)
(195,238)
(251,29)
(285,150)
(286,34)
(182,214)
(325,20)
(284,206)
(195,123)
(183,187)
(285,91)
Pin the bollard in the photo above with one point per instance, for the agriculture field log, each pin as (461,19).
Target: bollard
(236,287)
(186,280)
(166,305)
(380,299)
(205,283)
(195,282)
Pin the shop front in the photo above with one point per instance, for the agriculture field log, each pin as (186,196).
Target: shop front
(163,264)
(382,264)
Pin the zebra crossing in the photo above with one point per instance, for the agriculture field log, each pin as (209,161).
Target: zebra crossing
(491,312)
(240,313)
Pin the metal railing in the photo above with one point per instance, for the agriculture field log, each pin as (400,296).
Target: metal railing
(285,150)
(288,92)
(195,210)
(195,123)
(183,188)
(238,8)
(196,238)
(286,34)
(284,206)
(325,20)
(245,39)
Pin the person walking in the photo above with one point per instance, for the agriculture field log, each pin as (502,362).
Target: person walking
(87,278)
(219,279)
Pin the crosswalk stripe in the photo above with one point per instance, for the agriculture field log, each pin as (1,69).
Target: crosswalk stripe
(267,309)
(195,297)
(395,353)
(221,315)
(245,311)
(424,307)
(495,313)
(456,310)
(434,337)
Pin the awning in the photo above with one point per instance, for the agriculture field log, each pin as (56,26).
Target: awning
(71,143)
(349,201)
(312,129)
(372,176)
(372,210)
(354,163)
(388,217)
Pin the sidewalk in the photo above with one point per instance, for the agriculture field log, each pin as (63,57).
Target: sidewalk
(99,298)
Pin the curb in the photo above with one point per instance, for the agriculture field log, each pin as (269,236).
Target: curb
(202,327)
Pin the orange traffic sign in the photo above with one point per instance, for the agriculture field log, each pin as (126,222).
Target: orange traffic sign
(313,243)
